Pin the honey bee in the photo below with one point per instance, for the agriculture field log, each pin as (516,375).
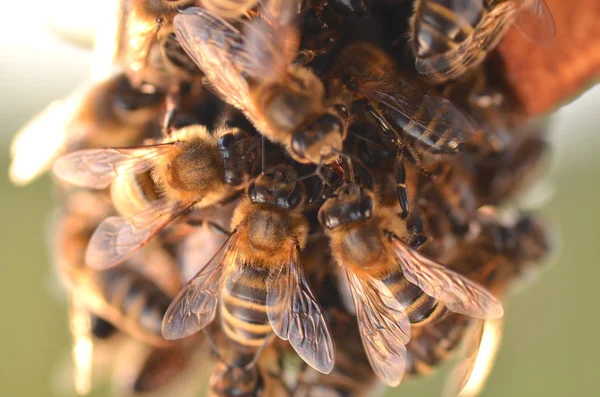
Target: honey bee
(254,71)
(392,284)
(256,279)
(245,377)
(111,112)
(500,255)
(187,167)
(450,37)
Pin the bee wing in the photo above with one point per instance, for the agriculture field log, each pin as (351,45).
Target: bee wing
(422,116)
(97,168)
(296,316)
(535,21)
(271,43)
(44,138)
(218,49)
(481,342)
(118,238)
(195,306)
(458,293)
(384,327)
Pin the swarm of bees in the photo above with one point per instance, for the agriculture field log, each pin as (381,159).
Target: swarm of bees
(299,198)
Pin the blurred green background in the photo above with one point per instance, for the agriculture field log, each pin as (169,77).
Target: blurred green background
(551,345)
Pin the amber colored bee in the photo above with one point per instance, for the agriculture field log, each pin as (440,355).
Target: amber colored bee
(450,37)
(254,70)
(108,113)
(392,284)
(257,280)
(187,168)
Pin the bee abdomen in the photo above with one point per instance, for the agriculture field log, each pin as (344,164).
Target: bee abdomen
(441,25)
(419,307)
(243,308)
(135,298)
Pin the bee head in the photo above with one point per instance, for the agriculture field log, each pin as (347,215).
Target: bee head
(232,380)
(314,142)
(278,186)
(351,203)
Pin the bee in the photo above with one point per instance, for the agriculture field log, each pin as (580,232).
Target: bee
(450,37)
(246,377)
(498,257)
(111,112)
(254,71)
(256,279)
(392,284)
(187,168)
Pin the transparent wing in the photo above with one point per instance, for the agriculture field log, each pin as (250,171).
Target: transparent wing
(44,138)
(217,48)
(535,21)
(271,42)
(118,238)
(96,168)
(458,293)
(195,306)
(423,117)
(481,345)
(384,327)
(295,315)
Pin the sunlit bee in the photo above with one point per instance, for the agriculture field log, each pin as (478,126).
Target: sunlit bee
(256,279)
(111,112)
(392,284)
(450,37)
(187,168)
(407,113)
(254,70)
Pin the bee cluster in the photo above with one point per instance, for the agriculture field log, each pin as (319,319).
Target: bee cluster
(320,187)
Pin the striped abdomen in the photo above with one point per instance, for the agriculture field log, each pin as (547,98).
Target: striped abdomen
(420,307)
(432,344)
(243,308)
(441,25)
(130,301)
(131,193)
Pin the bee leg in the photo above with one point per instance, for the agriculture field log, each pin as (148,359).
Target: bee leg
(414,224)
(401,191)
(213,346)
(172,102)
(254,360)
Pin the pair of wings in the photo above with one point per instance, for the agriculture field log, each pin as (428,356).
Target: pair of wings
(228,57)
(383,324)
(117,238)
(292,308)
(531,17)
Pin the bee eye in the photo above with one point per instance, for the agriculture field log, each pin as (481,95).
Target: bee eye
(342,110)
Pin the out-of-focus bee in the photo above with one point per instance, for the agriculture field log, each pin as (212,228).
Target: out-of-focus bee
(108,113)
(500,255)
(188,169)
(245,376)
(256,279)
(392,284)
(450,37)
(254,70)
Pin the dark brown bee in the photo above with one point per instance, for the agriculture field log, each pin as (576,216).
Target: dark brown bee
(256,279)
(450,37)
(392,284)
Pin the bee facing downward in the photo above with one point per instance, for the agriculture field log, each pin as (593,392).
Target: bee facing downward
(187,168)
(254,70)
(257,280)
(450,37)
(392,284)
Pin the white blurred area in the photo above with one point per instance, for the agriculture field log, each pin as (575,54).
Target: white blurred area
(38,67)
